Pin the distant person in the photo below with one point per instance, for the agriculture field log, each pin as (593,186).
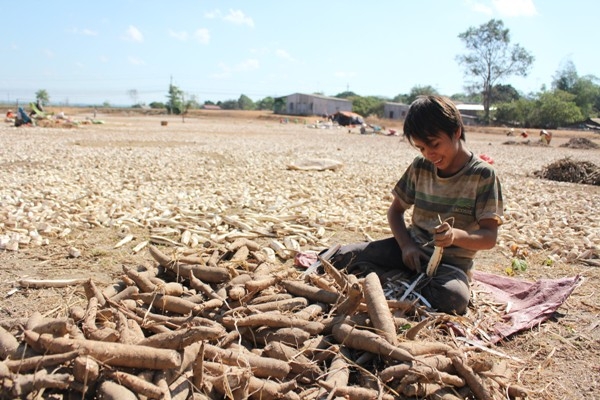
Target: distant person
(22,118)
(545,136)
(10,116)
(447,182)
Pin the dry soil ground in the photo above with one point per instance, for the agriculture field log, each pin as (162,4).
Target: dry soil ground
(93,184)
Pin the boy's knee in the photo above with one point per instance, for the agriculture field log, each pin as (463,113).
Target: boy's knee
(451,303)
(451,296)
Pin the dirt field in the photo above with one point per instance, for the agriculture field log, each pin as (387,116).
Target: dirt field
(92,185)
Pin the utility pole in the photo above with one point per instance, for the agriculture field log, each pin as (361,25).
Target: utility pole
(183,107)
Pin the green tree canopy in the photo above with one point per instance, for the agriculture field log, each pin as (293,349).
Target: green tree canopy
(504,93)
(369,105)
(417,91)
(229,104)
(346,95)
(585,88)
(565,78)
(554,109)
(175,100)
(191,102)
(400,98)
(491,58)
(515,112)
(265,104)
(157,105)
(42,96)
(245,103)
(587,95)
(474,98)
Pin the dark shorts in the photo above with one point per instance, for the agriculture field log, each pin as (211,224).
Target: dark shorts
(447,291)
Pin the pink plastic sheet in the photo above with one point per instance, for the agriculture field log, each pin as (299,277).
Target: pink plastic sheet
(528,303)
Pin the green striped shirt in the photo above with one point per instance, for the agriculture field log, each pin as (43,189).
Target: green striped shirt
(470,195)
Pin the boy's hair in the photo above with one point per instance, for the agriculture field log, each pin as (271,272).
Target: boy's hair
(429,116)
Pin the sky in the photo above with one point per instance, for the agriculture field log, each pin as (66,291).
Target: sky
(129,51)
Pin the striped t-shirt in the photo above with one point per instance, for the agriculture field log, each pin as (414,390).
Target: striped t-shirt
(470,195)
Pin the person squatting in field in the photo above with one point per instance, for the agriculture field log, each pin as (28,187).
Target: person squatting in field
(445,183)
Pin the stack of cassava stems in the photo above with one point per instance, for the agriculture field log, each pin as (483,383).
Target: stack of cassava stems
(228,324)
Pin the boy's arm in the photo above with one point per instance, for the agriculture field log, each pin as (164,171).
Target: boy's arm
(412,256)
(483,238)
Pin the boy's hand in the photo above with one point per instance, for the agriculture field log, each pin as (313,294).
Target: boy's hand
(443,235)
(413,257)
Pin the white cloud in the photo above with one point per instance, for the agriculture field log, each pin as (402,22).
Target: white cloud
(479,7)
(284,54)
(515,8)
(103,59)
(48,53)
(202,35)
(135,60)
(237,17)
(178,35)
(134,34)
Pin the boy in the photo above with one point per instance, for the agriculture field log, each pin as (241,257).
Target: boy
(446,183)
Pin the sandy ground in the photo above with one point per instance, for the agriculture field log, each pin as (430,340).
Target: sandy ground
(236,164)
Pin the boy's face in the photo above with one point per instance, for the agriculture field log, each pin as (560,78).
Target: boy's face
(442,151)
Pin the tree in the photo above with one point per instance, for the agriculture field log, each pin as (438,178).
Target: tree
(42,96)
(245,103)
(504,93)
(265,104)
(551,109)
(133,93)
(191,102)
(585,89)
(587,95)
(417,91)
(229,105)
(491,58)
(175,102)
(566,77)
(346,95)
(515,112)
(554,109)
(400,98)
(368,105)
(474,98)
(279,105)
(157,105)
